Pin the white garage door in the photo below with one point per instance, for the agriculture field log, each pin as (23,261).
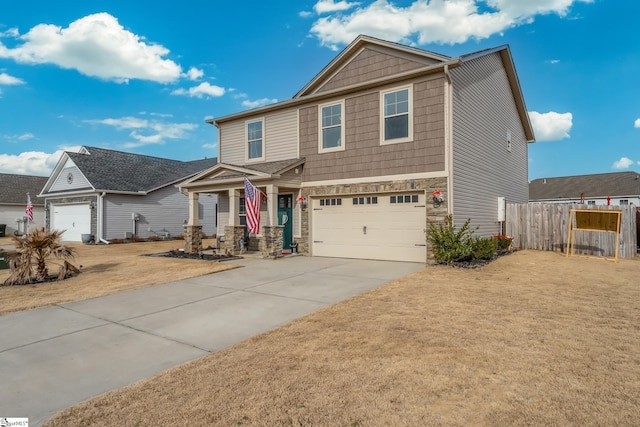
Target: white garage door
(386,227)
(76,219)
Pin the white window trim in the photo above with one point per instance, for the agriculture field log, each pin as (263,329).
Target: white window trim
(342,126)
(246,140)
(409,137)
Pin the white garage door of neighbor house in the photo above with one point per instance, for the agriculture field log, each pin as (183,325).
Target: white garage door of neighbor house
(385,227)
(76,219)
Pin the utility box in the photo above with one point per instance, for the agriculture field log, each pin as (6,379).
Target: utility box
(502,207)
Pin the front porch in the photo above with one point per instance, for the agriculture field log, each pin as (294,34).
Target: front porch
(280,212)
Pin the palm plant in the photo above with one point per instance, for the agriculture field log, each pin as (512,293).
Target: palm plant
(34,252)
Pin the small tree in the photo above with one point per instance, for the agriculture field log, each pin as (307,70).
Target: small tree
(34,251)
(448,244)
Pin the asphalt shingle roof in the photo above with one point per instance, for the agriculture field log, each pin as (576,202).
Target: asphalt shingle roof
(111,170)
(599,185)
(14,189)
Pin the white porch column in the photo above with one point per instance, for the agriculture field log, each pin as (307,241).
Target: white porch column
(234,196)
(194,208)
(272,204)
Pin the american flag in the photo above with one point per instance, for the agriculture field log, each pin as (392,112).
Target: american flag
(252,206)
(29,210)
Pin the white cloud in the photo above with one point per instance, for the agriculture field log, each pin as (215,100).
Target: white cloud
(551,126)
(194,73)
(11,32)
(214,145)
(97,46)
(327,6)
(122,123)
(636,124)
(17,138)
(204,89)
(623,163)
(434,21)
(258,102)
(553,61)
(6,79)
(146,132)
(36,163)
(305,14)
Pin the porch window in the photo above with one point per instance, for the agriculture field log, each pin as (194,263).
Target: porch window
(397,121)
(255,140)
(242,212)
(331,120)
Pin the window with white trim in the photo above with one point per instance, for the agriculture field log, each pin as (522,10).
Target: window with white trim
(624,202)
(331,119)
(255,140)
(397,121)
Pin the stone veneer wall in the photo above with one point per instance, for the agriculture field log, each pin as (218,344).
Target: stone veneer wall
(192,239)
(271,243)
(435,215)
(72,200)
(232,236)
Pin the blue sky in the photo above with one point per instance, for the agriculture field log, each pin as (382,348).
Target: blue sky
(144,76)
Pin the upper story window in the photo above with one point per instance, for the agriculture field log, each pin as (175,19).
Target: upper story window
(397,116)
(255,140)
(331,120)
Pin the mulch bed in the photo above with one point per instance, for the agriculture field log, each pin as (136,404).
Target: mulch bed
(470,263)
(177,253)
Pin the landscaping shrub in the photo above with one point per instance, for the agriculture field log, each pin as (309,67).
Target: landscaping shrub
(449,244)
(484,248)
(34,253)
(503,243)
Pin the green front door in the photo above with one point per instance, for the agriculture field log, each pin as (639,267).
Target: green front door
(285,217)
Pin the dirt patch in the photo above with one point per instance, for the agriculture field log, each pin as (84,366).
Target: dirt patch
(107,269)
(533,338)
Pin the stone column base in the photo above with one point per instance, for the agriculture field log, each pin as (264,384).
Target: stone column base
(271,242)
(192,239)
(232,236)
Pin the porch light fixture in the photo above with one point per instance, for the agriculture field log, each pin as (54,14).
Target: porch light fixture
(438,198)
(303,202)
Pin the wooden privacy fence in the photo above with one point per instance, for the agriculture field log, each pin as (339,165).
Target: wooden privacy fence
(544,226)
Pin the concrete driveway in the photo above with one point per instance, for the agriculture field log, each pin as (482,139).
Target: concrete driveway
(54,357)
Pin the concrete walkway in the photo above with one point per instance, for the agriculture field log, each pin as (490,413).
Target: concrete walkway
(54,357)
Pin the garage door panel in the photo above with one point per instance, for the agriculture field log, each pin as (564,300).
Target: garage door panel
(383,230)
(75,219)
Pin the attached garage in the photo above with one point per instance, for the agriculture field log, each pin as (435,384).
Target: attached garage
(385,227)
(76,219)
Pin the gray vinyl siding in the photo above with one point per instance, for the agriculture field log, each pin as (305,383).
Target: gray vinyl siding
(280,139)
(163,210)
(10,213)
(61,183)
(483,169)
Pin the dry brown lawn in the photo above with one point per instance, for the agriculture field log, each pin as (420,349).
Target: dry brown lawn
(107,270)
(532,339)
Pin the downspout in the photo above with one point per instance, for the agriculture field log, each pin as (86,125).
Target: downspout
(449,135)
(100,218)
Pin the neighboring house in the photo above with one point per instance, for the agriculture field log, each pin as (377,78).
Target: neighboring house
(618,188)
(114,195)
(350,163)
(13,202)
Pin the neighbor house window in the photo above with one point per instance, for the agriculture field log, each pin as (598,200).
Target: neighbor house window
(624,202)
(397,122)
(331,120)
(591,202)
(255,140)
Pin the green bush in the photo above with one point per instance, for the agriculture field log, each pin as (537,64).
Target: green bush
(448,244)
(503,242)
(484,248)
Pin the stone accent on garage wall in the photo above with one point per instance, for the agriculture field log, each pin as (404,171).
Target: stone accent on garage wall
(70,201)
(435,214)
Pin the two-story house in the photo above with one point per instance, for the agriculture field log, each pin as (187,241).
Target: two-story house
(384,140)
